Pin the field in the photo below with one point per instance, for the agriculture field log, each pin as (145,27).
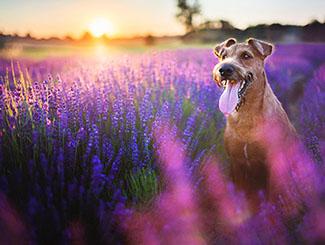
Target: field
(127,148)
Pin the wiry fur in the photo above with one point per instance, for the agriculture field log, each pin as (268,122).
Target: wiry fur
(243,141)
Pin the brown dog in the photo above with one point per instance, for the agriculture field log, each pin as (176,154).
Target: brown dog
(248,102)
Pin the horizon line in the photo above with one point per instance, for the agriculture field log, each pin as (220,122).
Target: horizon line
(139,35)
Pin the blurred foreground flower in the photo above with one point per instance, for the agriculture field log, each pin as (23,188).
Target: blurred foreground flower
(12,227)
(214,212)
(174,217)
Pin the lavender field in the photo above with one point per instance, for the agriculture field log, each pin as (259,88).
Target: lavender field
(129,149)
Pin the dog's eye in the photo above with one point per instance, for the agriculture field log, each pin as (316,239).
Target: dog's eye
(246,56)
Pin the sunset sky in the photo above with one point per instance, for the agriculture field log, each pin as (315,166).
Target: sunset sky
(137,17)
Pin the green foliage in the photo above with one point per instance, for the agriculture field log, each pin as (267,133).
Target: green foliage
(141,187)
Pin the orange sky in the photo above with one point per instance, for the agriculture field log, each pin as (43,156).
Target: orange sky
(140,17)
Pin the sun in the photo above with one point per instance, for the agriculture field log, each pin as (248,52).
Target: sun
(101,26)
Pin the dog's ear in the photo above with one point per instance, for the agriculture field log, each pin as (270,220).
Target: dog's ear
(264,48)
(227,43)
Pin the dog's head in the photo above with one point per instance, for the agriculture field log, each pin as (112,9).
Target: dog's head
(241,68)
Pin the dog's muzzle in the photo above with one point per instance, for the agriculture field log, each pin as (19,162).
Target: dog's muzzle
(233,96)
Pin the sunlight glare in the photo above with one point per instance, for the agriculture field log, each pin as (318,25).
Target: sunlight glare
(101,26)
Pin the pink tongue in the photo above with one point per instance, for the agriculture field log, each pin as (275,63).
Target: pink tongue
(229,98)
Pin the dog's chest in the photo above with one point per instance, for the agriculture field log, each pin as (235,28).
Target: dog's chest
(243,148)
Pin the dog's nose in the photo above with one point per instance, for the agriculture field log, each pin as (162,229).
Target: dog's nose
(226,70)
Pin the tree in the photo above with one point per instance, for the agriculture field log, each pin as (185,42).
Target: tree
(216,24)
(149,40)
(226,25)
(86,37)
(187,12)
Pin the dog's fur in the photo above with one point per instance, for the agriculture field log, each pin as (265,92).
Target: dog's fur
(243,143)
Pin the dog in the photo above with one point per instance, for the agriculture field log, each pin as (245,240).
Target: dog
(248,102)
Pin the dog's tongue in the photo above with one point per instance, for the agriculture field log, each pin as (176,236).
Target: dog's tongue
(229,98)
